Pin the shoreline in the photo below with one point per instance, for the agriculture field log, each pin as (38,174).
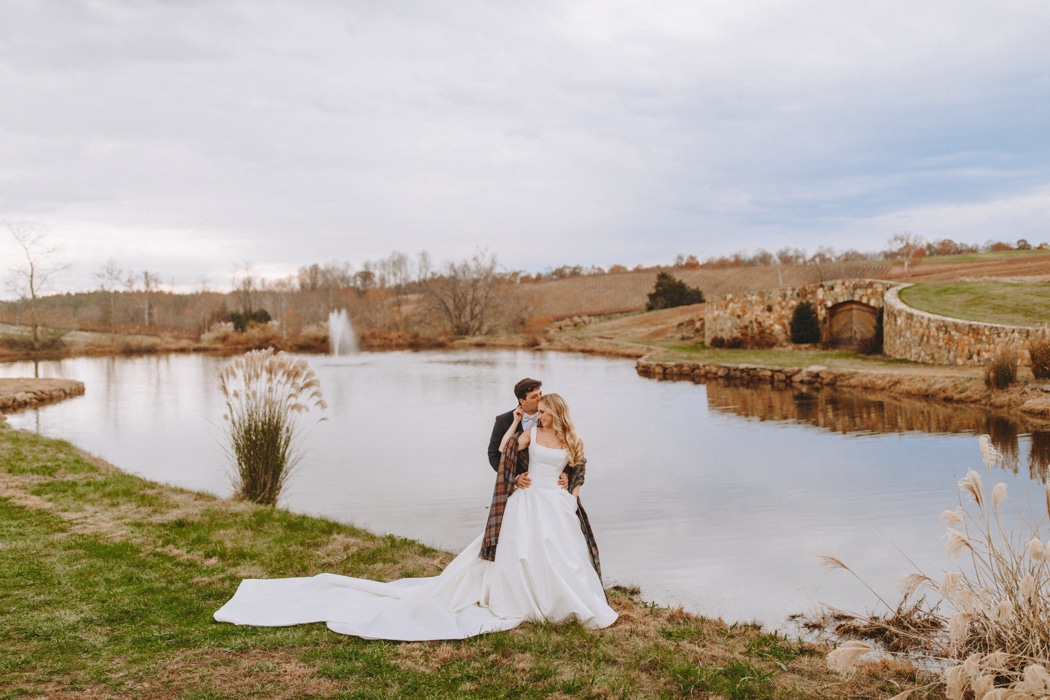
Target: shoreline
(1028,399)
(117,541)
(1031,401)
(19,394)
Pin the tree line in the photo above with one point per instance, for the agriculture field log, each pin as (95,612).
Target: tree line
(396,295)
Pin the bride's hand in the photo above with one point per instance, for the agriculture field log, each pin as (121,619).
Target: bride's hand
(518,413)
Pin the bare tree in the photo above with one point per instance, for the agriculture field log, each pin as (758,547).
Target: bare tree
(907,246)
(150,285)
(396,271)
(28,279)
(110,277)
(467,295)
(245,286)
(791,256)
(762,258)
(424,266)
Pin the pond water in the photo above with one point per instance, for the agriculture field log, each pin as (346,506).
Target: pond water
(712,497)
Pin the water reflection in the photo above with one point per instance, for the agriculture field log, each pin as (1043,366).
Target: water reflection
(846,412)
(711,497)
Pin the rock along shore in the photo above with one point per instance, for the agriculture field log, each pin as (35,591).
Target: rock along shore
(744,374)
(17,394)
(1032,400)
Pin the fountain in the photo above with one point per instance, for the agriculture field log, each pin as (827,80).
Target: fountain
(341,338)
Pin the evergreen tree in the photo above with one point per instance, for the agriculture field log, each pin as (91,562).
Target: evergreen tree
(805,326)
(669,291)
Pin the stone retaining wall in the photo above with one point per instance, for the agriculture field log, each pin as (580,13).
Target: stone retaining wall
(910,334)
(744,374)
(766,314)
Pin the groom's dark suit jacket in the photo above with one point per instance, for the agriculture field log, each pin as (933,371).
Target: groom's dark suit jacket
(499,429)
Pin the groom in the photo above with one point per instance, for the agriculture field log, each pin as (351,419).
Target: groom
(528,392)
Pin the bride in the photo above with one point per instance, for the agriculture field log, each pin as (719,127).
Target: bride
(537,560)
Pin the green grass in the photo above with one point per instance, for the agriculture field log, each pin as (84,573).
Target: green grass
(987,301)
(108,583)
(979,257)
(776,357)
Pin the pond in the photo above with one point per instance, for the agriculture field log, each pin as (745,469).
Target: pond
(712,497)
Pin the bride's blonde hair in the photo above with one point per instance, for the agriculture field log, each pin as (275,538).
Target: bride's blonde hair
(564,428)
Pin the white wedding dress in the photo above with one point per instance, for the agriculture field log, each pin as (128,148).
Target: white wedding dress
(542,571)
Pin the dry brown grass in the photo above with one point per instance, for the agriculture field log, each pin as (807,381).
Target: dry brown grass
(617,293)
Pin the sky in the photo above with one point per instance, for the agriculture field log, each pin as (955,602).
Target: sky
(198,139)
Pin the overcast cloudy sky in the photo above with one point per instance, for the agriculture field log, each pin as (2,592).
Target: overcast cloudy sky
(190,138)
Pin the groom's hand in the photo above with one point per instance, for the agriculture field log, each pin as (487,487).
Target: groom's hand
(523,480)
(563,481)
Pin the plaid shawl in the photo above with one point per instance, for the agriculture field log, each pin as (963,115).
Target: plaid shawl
(511,463)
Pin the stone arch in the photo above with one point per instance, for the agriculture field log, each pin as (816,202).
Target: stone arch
(850,323)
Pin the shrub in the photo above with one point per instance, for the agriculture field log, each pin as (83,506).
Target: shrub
(996,633)
(1039,350)
(1001,372)
(265,395)
(241,322)
(805,326)
(669,291)
(49,342)
(535,329)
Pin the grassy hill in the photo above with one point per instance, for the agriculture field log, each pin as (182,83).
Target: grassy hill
(987,301)
(596,295)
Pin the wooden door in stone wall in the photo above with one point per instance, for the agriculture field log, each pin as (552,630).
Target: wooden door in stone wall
(850,323)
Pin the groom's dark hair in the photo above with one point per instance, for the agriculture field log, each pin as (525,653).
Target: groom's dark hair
(526,386)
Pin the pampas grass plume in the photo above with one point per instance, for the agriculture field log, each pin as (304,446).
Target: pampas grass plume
(831,563)
(958,627)
(1028,586)
(971,484)
(957,541)
(949,584)
(964,600)
(999,494)
(991,455)
(982,685)
(955,680)
(1036,680)
(1036,549)
(911,583)
(1006,694)
(1004,611)
(845,658)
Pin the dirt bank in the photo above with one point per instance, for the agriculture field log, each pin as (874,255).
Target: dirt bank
(17,394)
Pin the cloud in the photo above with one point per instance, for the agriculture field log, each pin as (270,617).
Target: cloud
(185,137)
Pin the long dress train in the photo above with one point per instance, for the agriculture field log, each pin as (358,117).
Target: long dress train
(542,571)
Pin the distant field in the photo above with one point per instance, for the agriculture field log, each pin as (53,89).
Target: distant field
(987,301)
(617,293)
(1001,265)
(595,295)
